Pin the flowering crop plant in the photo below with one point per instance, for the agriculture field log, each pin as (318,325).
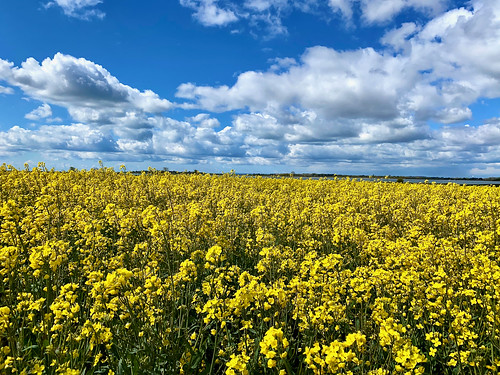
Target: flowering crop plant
(106,272)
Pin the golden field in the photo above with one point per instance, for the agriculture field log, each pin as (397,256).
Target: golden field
(111,273)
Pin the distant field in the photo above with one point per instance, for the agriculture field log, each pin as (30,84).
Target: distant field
(160,273)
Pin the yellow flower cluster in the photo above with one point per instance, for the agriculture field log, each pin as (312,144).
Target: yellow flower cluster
(334,358)
(158,273)
(237,364)
(273,346)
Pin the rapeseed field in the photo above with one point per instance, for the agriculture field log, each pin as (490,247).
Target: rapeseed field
(105,272)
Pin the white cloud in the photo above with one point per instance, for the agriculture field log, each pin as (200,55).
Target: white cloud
(262,15)
(398,38)
(261,5)
(453,115)
(282,63)
(76,137)
(87,90)
(385,10)
(83,9)
(41,112)
(5,67)
(204,120)
(208,13)
(66,80)
(434,76)
(266,16)
(487,171)
(381,11)
(183,139)
(487,135)
(335,85)
(6,90)
(342,6)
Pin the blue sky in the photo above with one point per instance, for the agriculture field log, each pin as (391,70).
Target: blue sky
(406,87)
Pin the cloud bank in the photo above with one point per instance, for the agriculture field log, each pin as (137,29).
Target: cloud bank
(363,108)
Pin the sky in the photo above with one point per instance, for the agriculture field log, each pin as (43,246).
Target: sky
(400,87)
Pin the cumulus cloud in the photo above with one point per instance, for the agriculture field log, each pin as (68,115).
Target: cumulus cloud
(83,9)
(204,120)
(434,76)
(194,140)
(382,11)
(342,6)
(490,170)
(69,81)
(375,11)
(282,63)
(453,115)
(76,137)
(41,112)
(398,38)
(352,84)
(87,90)
(351,105)
(209,13)
(486,135)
